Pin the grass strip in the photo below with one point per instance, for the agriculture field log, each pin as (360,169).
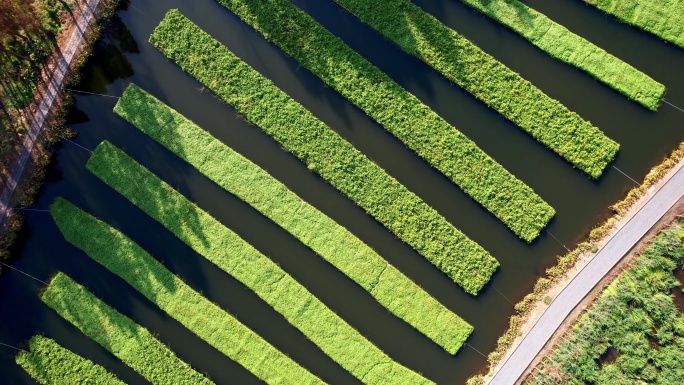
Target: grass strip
(51,364)
(564,45)
(232,254)
(120,335)
(125,258)
(325,152)
(663,18)
(334,243)
(397,110)
(547,120)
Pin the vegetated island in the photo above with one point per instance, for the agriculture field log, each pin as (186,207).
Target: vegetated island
(562,44)
(325,152)
(402,114)
(334,243)
(663,18)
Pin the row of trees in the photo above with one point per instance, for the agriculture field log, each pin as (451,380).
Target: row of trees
(28,29)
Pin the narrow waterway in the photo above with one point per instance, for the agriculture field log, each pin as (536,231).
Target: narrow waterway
(124,56)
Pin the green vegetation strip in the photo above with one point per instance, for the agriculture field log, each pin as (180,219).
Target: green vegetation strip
(232,254)
(663,18)
(634,332)
(564,45)
(326,237)
(130,342)
(51,364)
(547,120)
(325,152)
(370,89)
(125,258)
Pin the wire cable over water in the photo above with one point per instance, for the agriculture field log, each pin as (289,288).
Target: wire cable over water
(72,142)
(26,274)
(471,346)
(629,177)
(559,242)
(23,209)
(91,93)
(150,17)
(680,109)
(503,295)
(13,347)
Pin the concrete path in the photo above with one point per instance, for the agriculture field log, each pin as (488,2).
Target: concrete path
(58,69)
(621,243)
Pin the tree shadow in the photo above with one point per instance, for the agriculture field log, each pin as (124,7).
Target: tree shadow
(523,12)
(102,323)
(148,192)
(108,62)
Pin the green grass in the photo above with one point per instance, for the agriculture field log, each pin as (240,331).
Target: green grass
(232,254)
(325,152)
(130,342)
(637,317)
(326,237)
(397,110)
(663,18)
(51,364)
(564,45)
(547,120)
(125,258)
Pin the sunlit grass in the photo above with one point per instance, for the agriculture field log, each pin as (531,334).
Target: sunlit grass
(51,364)
(547,120)
(221,330)
(564,45)
(130,342)
(325,152)
(326,237)
(663,18)
(235,256)
(397,110)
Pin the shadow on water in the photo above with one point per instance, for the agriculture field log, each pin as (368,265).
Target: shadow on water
(678,292)
(109,62)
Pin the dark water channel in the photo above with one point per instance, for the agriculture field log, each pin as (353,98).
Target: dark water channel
(125,56)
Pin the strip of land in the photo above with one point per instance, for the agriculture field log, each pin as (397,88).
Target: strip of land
(130,342)
(332,242)
(123,257)
(663,18)
(398,111)
(232,254)
(39,119)
(618,246)
(547,120)
(562,44)
(51,364)
(635,318)
(325,152)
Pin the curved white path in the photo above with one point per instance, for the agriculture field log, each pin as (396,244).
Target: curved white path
(58,72)
(620,244)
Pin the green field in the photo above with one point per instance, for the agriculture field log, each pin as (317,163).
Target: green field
(564,45)
(331,241)
(126,259)
(547,120)
(51,364)
(663,18)
(398,111)
(232,254)
(634,332)
(130,342)
(326,153)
